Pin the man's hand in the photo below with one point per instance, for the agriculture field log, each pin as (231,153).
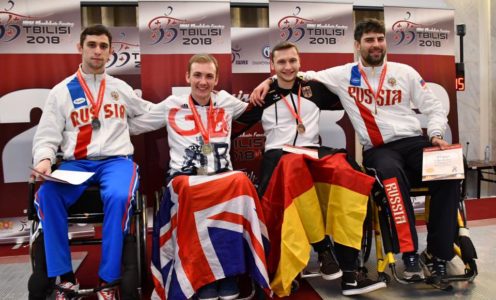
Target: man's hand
(439,142)
(258,95)
(44,167)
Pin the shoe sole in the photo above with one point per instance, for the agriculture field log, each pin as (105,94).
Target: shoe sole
(332,276)
(229,297)
(368,289)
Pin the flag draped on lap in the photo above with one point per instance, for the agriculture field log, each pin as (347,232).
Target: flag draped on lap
(207,228)
(307,198)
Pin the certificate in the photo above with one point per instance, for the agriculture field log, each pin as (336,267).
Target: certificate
(65,176)
(445,164)
(301,150)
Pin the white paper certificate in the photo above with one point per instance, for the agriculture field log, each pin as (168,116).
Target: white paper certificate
(440,164)
(67,177)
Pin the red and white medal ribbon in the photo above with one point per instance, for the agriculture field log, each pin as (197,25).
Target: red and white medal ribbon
(381,82)
(205,133)
(95,105)
(296,114)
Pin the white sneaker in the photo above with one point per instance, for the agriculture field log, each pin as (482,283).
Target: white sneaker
(64,288)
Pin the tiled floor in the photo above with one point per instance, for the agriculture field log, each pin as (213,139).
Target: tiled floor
(483,234)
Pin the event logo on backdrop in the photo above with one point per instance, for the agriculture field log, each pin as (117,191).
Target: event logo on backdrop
(421,38)
(315,27)
(37,49)
(250,50)
(33,26)
(413,31)
(181,28)
(323,32)
(126,57)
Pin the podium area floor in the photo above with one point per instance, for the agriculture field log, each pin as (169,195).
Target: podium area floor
(482,223)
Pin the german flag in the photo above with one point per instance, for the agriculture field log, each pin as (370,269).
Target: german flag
(306,199)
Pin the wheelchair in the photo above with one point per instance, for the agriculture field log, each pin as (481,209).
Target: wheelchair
(89,209)
(378,226)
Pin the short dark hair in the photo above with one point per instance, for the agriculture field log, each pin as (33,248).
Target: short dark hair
(282,46)
(202,59)
(368,25)
(97,29)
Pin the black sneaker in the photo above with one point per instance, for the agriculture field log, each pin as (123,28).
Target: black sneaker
(329,268)
(228,288)
(413,271)
(208,292)
(354,283)
(436,268)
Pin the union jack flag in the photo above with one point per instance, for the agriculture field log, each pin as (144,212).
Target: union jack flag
(207,228)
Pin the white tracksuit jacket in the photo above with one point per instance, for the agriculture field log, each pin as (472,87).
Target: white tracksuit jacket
(390,117)
(66,120)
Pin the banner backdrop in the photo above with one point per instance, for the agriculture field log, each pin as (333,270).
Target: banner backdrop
(323,32)
(250,66)
(170,33)
(37,50)
(424,39)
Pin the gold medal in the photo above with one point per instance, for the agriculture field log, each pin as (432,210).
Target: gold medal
(306,91)
(202,171)
(206,149)
(301,128)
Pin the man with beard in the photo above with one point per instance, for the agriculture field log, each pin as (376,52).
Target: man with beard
(377,95)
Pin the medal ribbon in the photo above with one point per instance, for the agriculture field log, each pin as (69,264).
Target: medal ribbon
(98,104)
(296,114)
(204,133)
(381,82)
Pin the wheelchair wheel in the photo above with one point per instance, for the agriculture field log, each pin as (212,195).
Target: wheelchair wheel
(39,285)
(471,270)
(368,234)
(141,229)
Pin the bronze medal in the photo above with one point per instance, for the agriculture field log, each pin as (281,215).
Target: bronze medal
(301,128)
(206,149)
(306,91)
(95,124)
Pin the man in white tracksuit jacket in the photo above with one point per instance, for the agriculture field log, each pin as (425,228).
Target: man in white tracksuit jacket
(86,116)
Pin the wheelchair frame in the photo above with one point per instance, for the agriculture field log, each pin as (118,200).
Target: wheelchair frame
(377,226)
(81,212)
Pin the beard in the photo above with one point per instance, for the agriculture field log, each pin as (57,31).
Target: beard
(374,61)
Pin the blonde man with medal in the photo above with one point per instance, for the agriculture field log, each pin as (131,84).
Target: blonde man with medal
(290,116)
(377,96)
(199,137)
(86,117)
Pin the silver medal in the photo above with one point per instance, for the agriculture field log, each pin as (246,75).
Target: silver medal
(95,124)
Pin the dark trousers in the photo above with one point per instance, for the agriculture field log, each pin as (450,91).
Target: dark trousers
(346,256)
(401,161)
